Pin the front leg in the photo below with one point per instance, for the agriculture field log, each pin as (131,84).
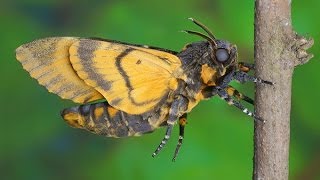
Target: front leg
(243,77)
(225,96)
(178,107)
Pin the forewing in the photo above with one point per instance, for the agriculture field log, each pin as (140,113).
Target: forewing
(132,79)
(47,60)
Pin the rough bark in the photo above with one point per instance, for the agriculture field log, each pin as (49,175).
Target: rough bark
(278,49)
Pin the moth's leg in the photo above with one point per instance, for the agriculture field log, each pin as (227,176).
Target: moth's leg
(182,123)
(243,77)
(235,93)
(210,91)
(245,67)
(224,95)
(178,105)
(227,79)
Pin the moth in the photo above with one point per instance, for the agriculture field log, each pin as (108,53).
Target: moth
(127,89)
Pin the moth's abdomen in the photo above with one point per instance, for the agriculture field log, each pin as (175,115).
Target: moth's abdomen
(103,119)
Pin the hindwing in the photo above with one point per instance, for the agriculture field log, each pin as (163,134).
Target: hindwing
(47,60)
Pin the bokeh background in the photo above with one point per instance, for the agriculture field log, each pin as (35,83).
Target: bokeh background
(35,143)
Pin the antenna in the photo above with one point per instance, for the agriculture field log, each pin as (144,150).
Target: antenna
(203,27)
(211,41)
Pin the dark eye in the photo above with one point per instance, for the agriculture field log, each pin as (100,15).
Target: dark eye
(222,55)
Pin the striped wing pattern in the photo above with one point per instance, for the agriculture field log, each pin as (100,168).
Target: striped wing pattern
(47,60)
(132,79)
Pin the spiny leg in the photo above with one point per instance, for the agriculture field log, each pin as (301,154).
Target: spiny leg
(224,95)
(182,123)
(243,77)
(177,106)
(235,93)
(164,140)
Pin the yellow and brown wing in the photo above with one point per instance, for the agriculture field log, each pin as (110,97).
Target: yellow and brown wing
(132,79)
(47,60)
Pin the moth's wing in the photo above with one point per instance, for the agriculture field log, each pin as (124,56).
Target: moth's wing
(47,60)
(132,79)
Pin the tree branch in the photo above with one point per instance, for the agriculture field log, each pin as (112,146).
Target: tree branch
(277,51)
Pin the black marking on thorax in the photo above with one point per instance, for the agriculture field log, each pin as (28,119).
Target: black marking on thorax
(192,58)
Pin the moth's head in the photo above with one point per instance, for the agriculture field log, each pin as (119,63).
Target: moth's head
(222,54)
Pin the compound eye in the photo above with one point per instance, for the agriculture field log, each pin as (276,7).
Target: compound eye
(222,55)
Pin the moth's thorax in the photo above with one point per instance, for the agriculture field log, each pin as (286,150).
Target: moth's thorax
(194,53)
(203,69)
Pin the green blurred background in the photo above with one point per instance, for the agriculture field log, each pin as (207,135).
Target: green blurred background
(35,143)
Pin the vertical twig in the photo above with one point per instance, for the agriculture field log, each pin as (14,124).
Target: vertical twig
(277,51)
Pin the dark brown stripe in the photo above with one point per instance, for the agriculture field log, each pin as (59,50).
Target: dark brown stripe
(45,74)
(84,110)
(115,101)
(92,107)
(65,88)
(119,59)
(106,115)
(87,98)
(85,52)
(101,119)
(53,81)
(80,92)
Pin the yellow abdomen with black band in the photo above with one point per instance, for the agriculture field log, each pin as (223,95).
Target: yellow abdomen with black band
(103,119)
